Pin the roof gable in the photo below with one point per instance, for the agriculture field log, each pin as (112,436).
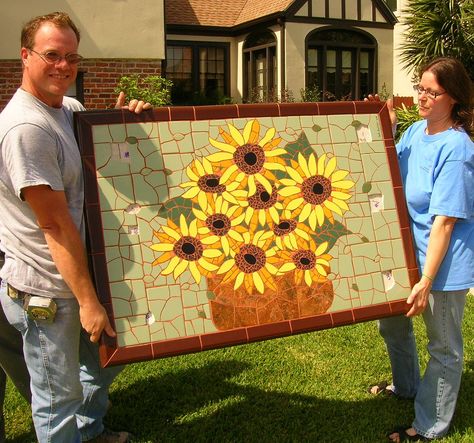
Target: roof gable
(221,13)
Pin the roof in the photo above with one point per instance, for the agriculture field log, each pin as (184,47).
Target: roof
(221,13)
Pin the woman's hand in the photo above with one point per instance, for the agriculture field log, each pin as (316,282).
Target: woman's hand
(391,111)
(418,299)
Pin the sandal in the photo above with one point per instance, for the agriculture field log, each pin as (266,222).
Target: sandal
(403,436)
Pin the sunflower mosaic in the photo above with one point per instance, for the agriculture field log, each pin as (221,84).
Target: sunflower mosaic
(256,222)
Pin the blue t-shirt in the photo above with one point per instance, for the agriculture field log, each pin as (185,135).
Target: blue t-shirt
(438,178)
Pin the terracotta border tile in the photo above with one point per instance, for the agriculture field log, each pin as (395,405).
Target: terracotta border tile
(408,247)
(290,109)
(392,160)
(342,318)
(176,346)
(182,113)
(131,354)
(373,312)
(261,332)
(224,338)
(331,108)
(308,324)
(399,307)
(258,110)
(216,112)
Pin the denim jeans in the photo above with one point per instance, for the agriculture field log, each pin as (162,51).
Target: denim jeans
(69,388)
(436,393)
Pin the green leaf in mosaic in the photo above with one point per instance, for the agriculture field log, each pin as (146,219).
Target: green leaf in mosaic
(202,314)
(355,287)
(356,124)
(316,128)
(131,140)
(366,187)
(211,295)
(301,145)
(173,208)
(365,239)
(329,232)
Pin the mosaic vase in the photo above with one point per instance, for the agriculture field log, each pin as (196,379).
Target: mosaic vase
(237,308)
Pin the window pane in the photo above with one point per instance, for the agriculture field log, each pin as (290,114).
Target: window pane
(312,57)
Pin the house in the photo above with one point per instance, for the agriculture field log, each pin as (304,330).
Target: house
(255,50)
(220,50)
(118,37)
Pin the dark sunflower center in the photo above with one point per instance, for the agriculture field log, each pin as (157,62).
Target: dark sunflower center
(249,158)
(188,248)
(316,189)
(210,183)
(304,259)
(262,199)
(250,259)
(218,224)
(284,227)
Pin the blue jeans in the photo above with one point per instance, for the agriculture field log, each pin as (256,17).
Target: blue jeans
(69,388)
(437,392)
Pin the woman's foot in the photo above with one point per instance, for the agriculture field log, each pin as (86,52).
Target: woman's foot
(382,388)
(406,434)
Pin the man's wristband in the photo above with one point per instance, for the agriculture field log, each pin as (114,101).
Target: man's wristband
(427,276)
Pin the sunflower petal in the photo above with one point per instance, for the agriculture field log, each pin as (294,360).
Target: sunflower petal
(321,163)
(343,184)
(257,281)
(330,167)
(171,266)
(195,272)
(224,147)
(162,247)
(239,280)
(267,137)
(236,135)
(307,278)
(321,249)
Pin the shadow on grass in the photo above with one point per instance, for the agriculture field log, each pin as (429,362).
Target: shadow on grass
(206,404)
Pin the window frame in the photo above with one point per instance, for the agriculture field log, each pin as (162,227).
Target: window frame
(355,48)
(195,65)
(270,81)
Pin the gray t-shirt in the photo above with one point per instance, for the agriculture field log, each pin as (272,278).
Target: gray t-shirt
(37,147)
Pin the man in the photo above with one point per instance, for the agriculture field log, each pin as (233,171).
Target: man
(42,232)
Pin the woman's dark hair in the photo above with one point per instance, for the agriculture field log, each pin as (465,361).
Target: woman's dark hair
(59,19)
(453,77)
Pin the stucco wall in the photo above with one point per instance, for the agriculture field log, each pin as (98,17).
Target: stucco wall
(295,55)
(109,28)
(402,82)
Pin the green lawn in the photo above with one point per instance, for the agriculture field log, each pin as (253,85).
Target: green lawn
(310,387)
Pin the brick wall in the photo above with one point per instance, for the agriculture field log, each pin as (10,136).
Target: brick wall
(99,78)
(102,76)
(10,79)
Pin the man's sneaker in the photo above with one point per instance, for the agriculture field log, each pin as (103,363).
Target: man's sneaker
(109,436)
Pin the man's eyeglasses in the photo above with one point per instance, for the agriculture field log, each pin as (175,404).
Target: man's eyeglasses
(429,93)
(52,57)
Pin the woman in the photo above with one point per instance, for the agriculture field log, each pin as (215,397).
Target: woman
(436,158)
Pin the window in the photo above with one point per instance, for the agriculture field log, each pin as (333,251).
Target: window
(260,67)
(199,72)
(340,64)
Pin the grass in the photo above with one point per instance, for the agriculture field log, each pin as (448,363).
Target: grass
(310,387)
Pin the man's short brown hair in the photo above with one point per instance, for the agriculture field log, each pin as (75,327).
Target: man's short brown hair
(59,19)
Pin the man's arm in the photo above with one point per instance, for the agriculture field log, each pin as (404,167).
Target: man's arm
(67,250)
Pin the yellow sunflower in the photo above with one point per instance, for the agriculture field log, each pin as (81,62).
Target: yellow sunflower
(247,160)
(309,263)
(184,248)
(205,182)
(221,220)
(316,189)
(287,231)
(262,208)
(251,264)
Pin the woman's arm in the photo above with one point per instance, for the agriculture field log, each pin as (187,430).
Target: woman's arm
(438,243)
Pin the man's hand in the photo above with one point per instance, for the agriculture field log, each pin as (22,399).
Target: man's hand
(94,320)
(418,299)
(135,106)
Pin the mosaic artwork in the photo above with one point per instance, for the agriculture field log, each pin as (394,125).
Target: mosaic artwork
(214,226)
